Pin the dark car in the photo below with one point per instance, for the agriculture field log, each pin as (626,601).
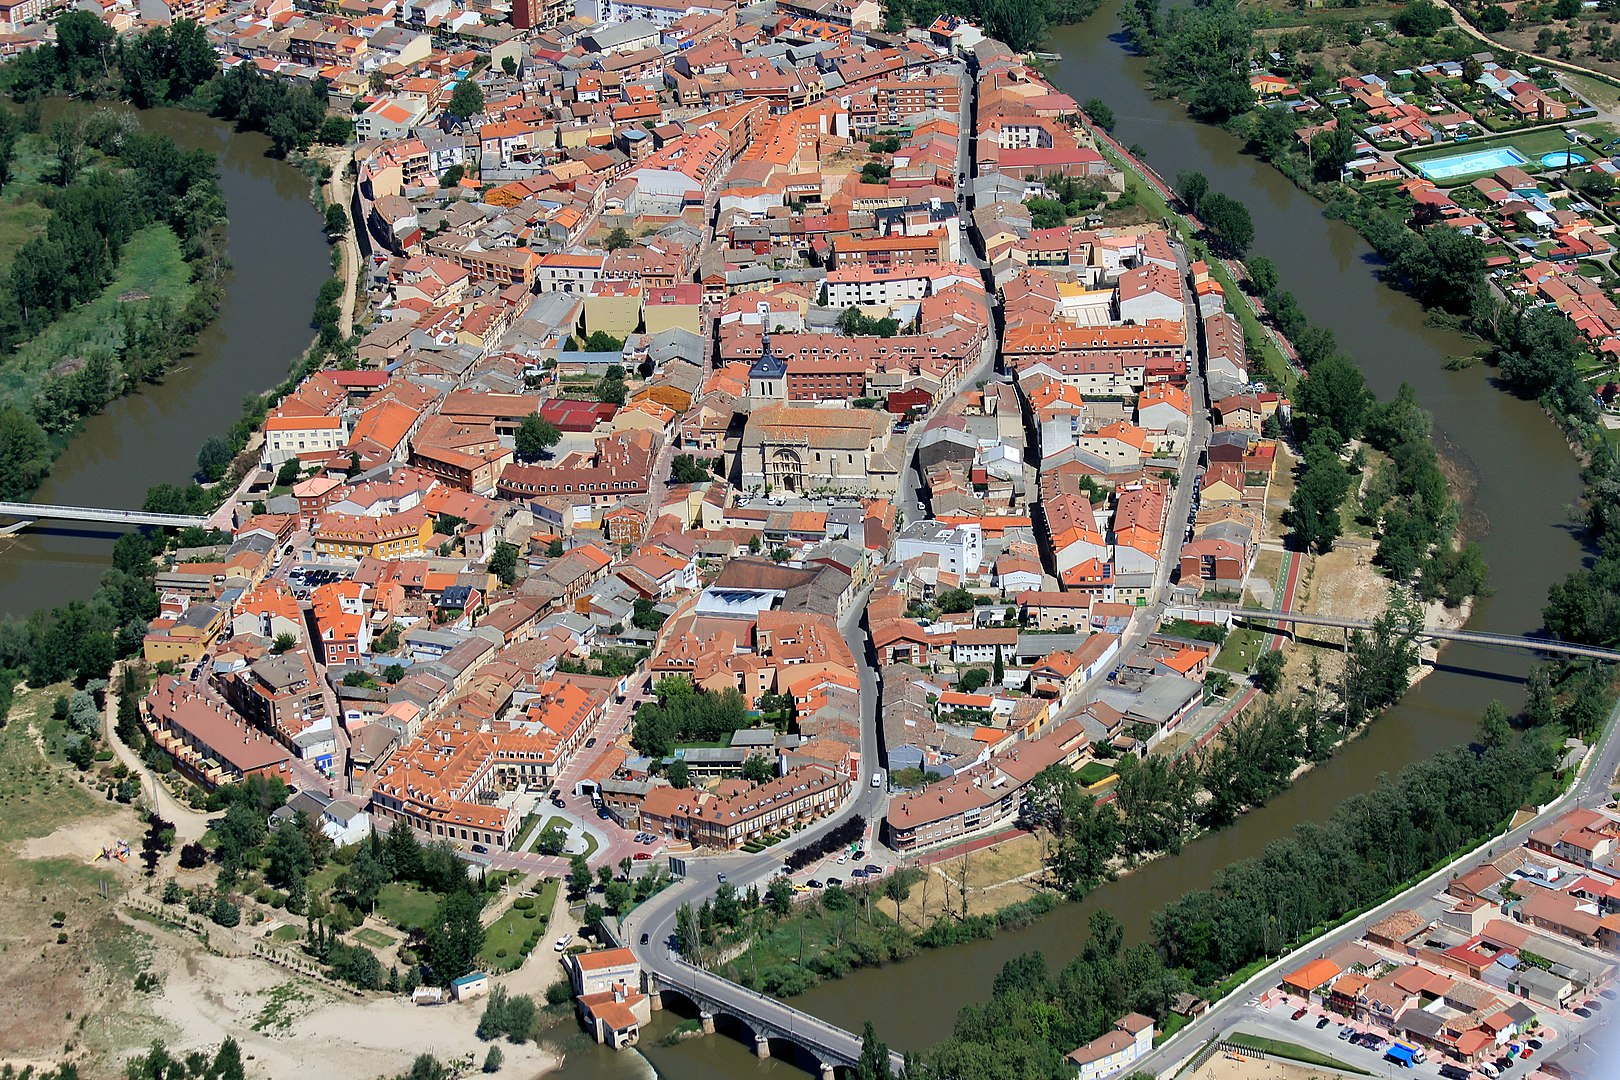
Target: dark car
(1584,1013)
(721,878)
(872,869)
(603,812)
(559,804)
(1534,1044)
(1299,1013)
(1595,1005)
(480,849)
(1606,995)
(644,939)
(1322,1023)
(857,873)
(1452,1072)
(834,881)
(590,742)
(814,883)
(858,855)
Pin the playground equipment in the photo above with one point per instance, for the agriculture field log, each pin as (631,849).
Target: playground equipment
(119,851)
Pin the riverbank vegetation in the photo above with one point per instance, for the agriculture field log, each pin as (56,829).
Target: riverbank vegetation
(125,272)
(1370,847)
(100,298)
(1022,24)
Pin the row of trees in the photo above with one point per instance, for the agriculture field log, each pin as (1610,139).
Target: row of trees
(1021,25)
(162,65)
(1231,229)
(293,115)
(1160,803)
(1200,53)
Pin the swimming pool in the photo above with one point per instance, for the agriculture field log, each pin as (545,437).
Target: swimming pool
(1557,159)
(1472,161)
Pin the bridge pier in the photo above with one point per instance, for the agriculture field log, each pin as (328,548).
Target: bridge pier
(706,1018)
(826,1071)
(762,1047)
(655,998)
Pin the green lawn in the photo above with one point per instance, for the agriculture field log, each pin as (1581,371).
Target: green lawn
(151,263)
(1094,772)
(406,906)
(375,938)
(1291,1051)
(1241,650)
(288,934)
(511,932)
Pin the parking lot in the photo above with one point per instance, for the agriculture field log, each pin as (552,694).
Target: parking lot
(1364,1046)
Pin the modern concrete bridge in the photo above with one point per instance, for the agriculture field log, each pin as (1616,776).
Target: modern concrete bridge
(765,1017)
(1503,641)
(31,512)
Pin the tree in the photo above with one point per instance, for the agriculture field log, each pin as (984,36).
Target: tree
(454,936)
(503,562)
(998,674)
(493,1059)
(534,437)
(284,643)
(1262,274)
(289,853)
(466,100)
(618,238)
(1493,19)
(1100,113)
(955,601)
(1229,223)
(228,1061)
(1313,512)
(337,220)
(225,913)
(287,475)
(1331,150)
(779,897)
(1268,670)
(1335,397)
(579,877)
(874,1059)
(1192,186)
(972,680)
(1422,18)
(686,469)
(365,877)
(758,769)
(610,388)
(214,458)
(678,774)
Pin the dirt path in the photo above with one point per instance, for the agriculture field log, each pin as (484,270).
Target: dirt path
(337,193)
(189,824)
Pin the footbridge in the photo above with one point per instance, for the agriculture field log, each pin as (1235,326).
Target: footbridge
(1425,633)
(30,512)
(766,1019)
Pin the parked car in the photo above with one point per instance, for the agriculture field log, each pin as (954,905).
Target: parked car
(590,742)
(721,878)
(834,881)
(1534,1044)
(873,870)
(559,804)
(562,942)
(858,854)
(642,856)
(1299,1013)
(1584,1013)
(1606,995)
(1322,1023)
(1526,1052)
(480,849)
(844,858)
(644,939)
(857,873)
(1345,1033)
(814,883)
(1452,1072)
(1595,1005)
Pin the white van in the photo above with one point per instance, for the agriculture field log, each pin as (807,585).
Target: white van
(877,779)
(562,942)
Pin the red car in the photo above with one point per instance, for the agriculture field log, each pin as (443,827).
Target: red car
(1300,1013)
(1526,1052)
(642,856)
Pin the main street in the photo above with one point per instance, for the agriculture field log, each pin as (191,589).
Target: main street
(1590,790)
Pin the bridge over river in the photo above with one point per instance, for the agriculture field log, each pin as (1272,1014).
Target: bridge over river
(31,512)
(1430,633)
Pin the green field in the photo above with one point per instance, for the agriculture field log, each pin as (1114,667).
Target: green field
(1094,772)
(406,906)
(375,938)
(1241,650)
(511,932)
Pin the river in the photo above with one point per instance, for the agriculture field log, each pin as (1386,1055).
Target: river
(279,259)
(1523,477)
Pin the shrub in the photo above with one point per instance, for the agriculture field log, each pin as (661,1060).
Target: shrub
(523,903)
(559,993)
(193,857)
(531,914)
(226,913)
(173,893)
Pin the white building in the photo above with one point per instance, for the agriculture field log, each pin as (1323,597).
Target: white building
(289,436)
(960,549)
(1107,1054)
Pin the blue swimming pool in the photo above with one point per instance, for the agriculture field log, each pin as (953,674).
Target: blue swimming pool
(1557,159)
(1472,161)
